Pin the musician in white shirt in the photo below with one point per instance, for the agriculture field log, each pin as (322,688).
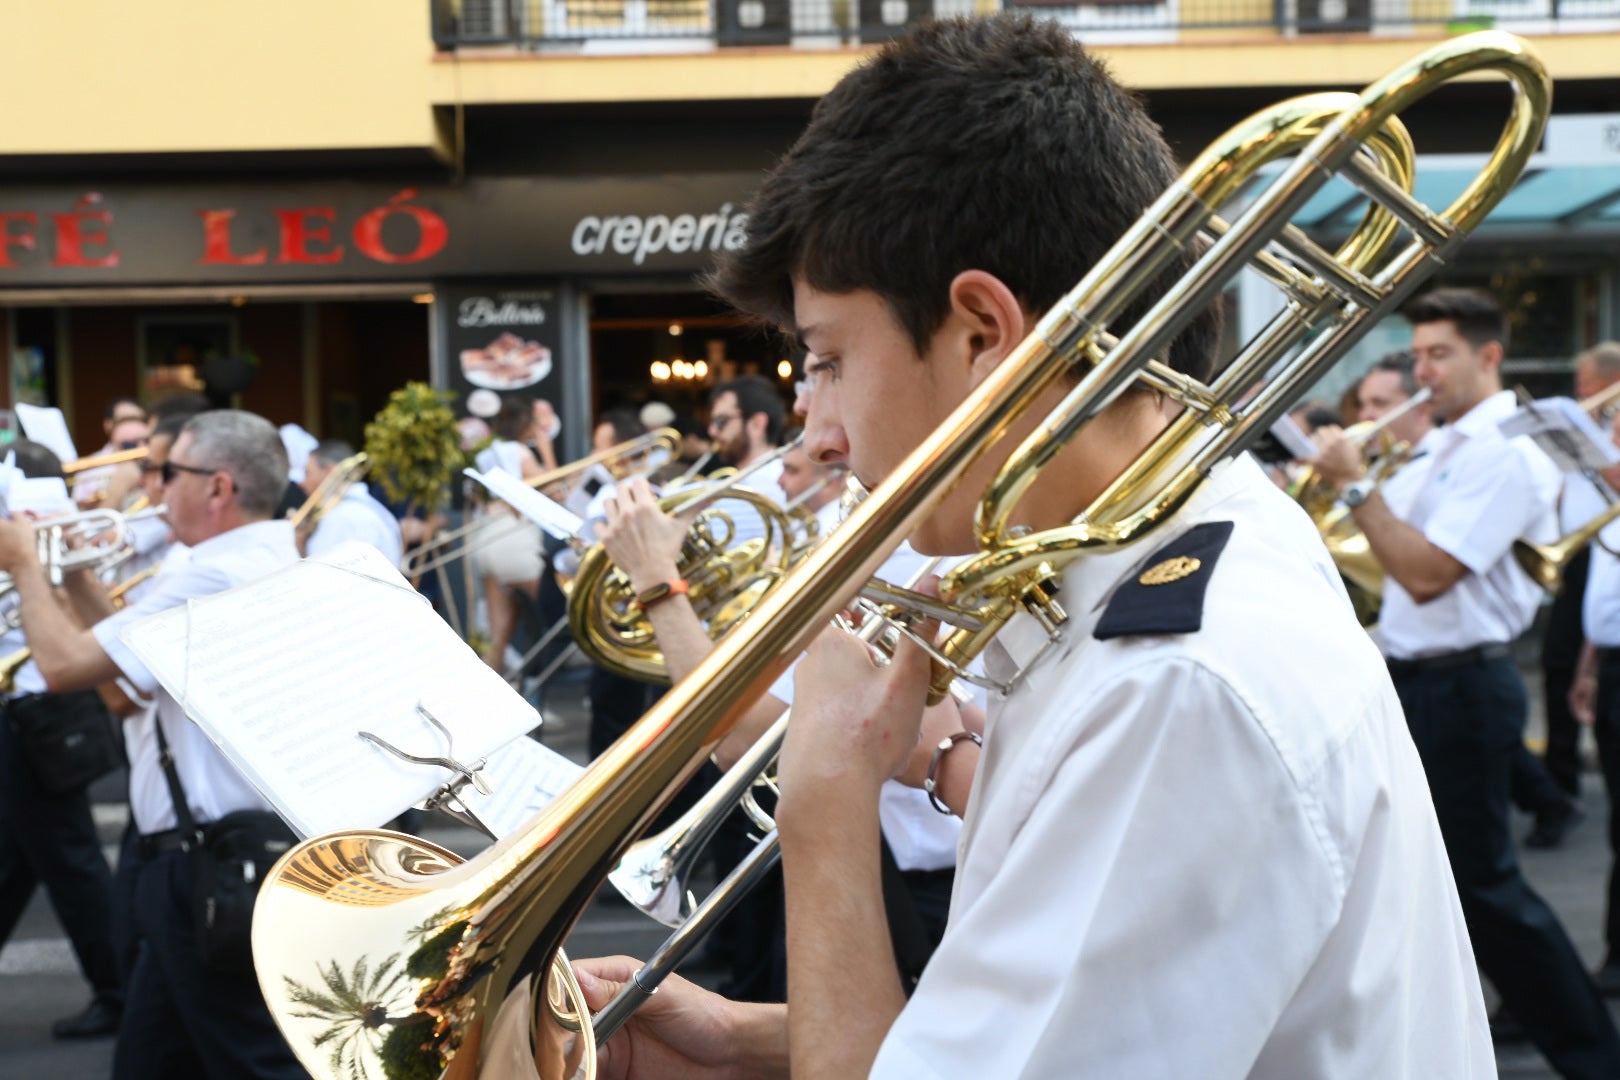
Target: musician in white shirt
(1454,601)
(223,481)
(353,514)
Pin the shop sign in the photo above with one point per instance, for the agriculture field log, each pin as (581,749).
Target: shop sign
(503,339)
(246,234)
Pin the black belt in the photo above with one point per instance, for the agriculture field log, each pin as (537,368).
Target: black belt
(1479,654)
(151,845)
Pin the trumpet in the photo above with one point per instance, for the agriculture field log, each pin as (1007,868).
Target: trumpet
(1317,496)
(351,899)
(12,664)
(102,537)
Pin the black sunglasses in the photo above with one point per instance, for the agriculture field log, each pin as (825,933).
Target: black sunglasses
(169,468)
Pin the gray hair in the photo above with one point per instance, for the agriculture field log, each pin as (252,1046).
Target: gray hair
(1401,362)
(249,448)
(1604,356)
(332,451)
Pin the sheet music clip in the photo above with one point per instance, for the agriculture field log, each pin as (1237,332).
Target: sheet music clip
(447,799)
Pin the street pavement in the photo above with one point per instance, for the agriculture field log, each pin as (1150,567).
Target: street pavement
(39,981)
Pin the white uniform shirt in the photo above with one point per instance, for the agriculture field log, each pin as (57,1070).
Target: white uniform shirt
(148,788)
(745,520)
(1600,606)
(357,516)
(1201,855)
(920,837)
(213,786)
(1472,494)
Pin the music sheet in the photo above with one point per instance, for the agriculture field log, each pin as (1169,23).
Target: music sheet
(47,426)
(547,513)
(1564,433)
(523,776)
(285,672)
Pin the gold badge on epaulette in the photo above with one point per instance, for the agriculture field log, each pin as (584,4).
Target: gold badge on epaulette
(1170,570)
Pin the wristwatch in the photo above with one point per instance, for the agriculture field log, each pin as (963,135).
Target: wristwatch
(1355,494)
(660,592)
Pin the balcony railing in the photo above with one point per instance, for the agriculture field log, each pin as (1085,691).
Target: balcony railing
(649,25)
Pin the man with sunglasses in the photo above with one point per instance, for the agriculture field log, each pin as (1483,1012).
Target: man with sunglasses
(222,481)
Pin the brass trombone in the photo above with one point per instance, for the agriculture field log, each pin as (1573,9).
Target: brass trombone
(371,900)
(12,664)
(326,494)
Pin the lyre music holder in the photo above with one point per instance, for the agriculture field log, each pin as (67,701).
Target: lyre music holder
(447,799)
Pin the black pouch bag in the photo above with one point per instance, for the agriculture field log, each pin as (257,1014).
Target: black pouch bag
(68,739)
(233,856)
(229,859)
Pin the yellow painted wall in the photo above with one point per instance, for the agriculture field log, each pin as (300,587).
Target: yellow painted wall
(117,76)
(1212,58)
(174,75)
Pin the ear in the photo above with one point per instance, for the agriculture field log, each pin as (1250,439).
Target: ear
(756,425)
(986,320)
(1491,352)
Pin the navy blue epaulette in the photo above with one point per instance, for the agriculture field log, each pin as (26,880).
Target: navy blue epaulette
(1168,596)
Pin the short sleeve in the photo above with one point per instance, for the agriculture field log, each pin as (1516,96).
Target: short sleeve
(1490,501)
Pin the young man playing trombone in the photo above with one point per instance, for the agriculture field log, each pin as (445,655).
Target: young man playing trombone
(1183,855)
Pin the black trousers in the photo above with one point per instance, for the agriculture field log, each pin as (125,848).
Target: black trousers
(1607,729)
(1562,757)
(50,840)
(1533,788)
(1467,721)
(181,1018)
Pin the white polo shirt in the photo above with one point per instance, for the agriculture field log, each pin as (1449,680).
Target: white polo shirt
(212,784)
(1472,494)
(746,521)
(357,516)
(1209,854)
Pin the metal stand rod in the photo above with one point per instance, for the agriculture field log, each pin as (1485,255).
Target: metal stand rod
(546,638)
(679,945)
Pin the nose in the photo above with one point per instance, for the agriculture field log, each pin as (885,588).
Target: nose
(824,440)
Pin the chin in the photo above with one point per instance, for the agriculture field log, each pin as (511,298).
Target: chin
(933,538)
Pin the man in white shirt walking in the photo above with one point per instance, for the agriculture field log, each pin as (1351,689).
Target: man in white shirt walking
(1454,602)
(223,480)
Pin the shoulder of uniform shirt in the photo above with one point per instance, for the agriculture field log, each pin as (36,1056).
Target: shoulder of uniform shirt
(1166,596)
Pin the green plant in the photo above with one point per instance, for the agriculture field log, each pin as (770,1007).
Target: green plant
(415,447)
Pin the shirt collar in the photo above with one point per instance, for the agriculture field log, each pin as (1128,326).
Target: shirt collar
(1485,416)
(1088,581)
(274,531)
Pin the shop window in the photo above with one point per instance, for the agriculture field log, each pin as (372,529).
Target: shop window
(174,352)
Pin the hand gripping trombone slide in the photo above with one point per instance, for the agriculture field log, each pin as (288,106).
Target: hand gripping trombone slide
(441,945)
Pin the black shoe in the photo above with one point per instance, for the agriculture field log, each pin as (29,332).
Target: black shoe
(1505,1029)
(1550,829)
(1607,979)
(98,1020)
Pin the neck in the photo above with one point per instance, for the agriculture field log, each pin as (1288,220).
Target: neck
(1093,460)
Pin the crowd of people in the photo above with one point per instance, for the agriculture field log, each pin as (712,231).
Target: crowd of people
(1138,843)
